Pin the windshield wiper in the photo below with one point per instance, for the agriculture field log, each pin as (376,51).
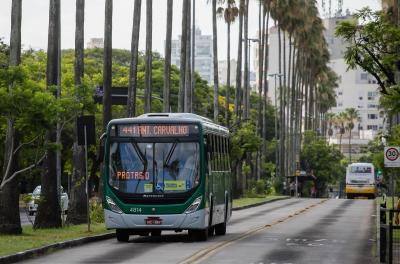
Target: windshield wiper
(143,159)
(170,152)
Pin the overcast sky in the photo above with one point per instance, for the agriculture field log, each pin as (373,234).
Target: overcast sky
(35,22)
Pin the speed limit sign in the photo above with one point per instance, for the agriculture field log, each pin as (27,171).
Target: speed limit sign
(392,157)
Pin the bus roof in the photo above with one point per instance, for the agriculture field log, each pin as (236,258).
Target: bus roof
(361,164)
(207,123)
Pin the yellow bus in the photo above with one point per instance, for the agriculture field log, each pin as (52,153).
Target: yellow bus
(360,180)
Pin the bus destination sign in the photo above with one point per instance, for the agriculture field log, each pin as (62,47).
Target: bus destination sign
(156,130)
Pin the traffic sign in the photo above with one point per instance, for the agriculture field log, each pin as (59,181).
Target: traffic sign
(392,157)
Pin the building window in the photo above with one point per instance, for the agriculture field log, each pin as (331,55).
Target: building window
(372,106)
(372,116)
(340,93)
(364,76)
(372,127)
(360,97)
(340,104)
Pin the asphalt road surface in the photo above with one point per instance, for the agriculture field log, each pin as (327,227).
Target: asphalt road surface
(288,231)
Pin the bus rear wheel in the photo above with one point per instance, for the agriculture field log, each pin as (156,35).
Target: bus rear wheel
(122,235)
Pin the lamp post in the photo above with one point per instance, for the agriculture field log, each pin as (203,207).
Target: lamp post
(276,121)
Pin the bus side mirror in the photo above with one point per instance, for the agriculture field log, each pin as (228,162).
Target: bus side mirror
(101,147)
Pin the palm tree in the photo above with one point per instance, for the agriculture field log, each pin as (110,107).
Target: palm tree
(107,64)
(48,215)
(148,71)
(182,74)
(246,92)
(238,89)
(77,213)
(215,59)
(340,121)
(9,196)
(167,65)
(230,14)
(132,88)
(351,116)
(188,78)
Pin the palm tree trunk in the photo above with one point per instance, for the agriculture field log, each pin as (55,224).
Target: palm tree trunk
(215,59)
(48,215)
(246,63)
(182,82)
(350,145)
(266,55)
(188,77)
(107,65)
(228,72)
(193,76)
(77,213)
(132,86)
(149,57)
(10,222)
(167,65)
(238,87)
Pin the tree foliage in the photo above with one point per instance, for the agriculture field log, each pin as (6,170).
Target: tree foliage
(322,160)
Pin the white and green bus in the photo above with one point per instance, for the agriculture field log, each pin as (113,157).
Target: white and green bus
(168,171)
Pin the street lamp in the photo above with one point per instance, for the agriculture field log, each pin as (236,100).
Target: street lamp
(276,121)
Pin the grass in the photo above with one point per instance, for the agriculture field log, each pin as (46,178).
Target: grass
(29,239)
(249,201)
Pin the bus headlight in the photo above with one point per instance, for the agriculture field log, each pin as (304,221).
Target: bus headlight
(193,207)
(113,206)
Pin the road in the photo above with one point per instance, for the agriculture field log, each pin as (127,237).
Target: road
(288,231)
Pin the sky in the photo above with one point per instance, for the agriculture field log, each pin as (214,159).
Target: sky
(35,22)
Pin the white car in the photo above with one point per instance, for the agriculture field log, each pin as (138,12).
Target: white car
(33,205)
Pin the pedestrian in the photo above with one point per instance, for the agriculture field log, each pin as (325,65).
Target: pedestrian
(292,188)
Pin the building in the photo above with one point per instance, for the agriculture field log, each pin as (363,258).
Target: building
(356,88)
(95,43)
(223,70)
(203,55)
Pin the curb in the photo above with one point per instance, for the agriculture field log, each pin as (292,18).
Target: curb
(24,255)
(260,203)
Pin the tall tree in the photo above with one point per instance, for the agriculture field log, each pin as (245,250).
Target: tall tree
(246,92)
(230,14)
(48,215)
(238,88)
(132,88)
(10,222)
(188,78)
(182,75)
(77,212)
(167,62)
(149,58)
(107,64)
(215,59)
(351,116)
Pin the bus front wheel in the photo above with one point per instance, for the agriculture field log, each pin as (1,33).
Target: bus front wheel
(198,234)
(122,235)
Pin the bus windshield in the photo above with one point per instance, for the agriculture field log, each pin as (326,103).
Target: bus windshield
(360,169)
(141,168)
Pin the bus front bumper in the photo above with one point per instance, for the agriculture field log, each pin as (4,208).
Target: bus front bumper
(360,189)
(195,220)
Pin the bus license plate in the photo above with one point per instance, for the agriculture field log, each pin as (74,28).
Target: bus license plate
(153,221)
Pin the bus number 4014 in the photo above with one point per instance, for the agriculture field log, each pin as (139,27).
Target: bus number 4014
(135,210)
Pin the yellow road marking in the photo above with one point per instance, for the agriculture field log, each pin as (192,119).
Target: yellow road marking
(205,253)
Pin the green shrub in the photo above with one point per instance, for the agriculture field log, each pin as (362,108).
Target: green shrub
(96,212)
